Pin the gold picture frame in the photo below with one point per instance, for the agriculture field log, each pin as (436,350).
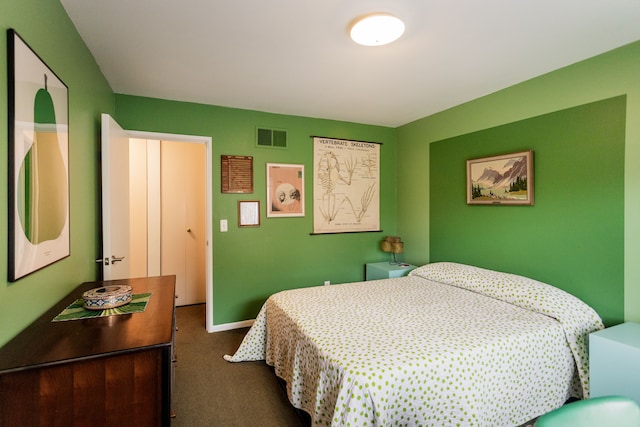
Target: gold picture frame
(506,179)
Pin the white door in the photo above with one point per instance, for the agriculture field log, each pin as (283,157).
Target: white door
(115,200)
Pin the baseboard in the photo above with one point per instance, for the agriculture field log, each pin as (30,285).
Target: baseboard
(230,326)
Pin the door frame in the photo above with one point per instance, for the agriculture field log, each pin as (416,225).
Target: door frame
(207,141)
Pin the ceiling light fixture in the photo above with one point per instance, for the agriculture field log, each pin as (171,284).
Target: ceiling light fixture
(376,29)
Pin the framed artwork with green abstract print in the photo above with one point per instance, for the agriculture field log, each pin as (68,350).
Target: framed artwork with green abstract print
(38,162)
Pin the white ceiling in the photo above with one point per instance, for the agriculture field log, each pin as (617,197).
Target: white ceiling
(295,56)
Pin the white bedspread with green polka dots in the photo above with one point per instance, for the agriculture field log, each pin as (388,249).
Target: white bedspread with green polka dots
(449,345)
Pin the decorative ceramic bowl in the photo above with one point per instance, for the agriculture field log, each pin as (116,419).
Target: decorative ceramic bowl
(107,297)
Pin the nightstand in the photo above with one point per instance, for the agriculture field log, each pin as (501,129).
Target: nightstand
(386,270)
(613,361)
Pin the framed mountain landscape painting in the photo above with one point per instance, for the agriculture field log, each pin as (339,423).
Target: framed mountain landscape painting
(501,180)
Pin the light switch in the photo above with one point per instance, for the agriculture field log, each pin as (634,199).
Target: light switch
(223,226)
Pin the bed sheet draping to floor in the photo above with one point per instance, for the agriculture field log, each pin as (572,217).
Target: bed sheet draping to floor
(448,345)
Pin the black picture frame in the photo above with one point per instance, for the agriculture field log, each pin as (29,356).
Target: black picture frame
(38,134)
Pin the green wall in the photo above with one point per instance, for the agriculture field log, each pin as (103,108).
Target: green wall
(249,264)
(615,73)
(45,26)
(573,235)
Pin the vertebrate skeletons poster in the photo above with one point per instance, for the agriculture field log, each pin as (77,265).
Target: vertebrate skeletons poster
(346,186)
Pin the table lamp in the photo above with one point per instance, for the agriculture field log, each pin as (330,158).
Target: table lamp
(394,245)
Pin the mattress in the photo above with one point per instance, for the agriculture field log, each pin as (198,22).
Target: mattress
(449,345)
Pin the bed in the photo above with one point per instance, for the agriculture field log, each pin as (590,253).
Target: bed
(447,345)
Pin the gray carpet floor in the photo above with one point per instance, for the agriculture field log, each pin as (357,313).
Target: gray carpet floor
(210,391)
(214,393)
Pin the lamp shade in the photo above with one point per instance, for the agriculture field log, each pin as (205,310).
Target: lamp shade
(392,244)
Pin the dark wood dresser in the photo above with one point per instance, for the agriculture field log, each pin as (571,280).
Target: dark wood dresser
(105,371)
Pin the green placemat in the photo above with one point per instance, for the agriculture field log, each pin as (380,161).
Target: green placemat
(76,311)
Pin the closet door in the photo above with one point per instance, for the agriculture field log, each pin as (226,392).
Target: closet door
(183,242)
(196,242)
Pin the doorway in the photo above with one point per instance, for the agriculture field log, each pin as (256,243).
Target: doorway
(167,214)
(141,198)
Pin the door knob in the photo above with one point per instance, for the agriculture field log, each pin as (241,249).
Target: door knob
(188,230)
(115,259)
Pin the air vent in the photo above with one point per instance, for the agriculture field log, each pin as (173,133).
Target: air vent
(271,138)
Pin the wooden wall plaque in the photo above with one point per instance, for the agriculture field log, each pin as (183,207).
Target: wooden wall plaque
(236,174)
